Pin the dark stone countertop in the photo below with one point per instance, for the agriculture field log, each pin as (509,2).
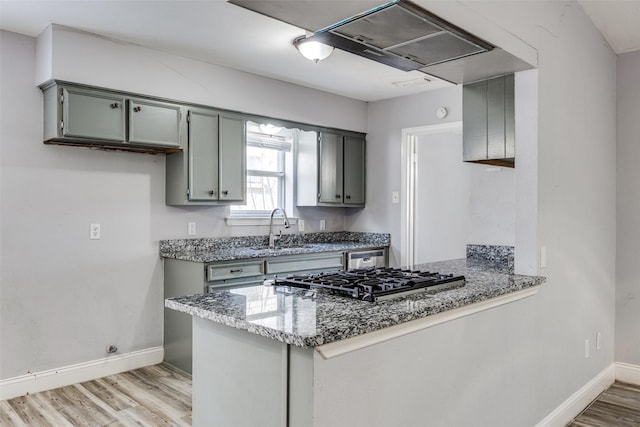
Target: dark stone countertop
(238,248)
(310,318)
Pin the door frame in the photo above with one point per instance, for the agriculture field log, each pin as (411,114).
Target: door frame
(408,190)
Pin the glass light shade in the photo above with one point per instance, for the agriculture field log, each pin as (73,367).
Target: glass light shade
(312,50)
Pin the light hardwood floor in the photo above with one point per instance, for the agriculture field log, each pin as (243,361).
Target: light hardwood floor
(618,406)
(160,395)
(157,395)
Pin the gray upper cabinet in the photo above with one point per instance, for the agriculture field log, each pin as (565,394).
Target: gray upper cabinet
(331,170)
(354,170)
(154,123)
(92,114)
(80,115)
(211,169)
(489,121)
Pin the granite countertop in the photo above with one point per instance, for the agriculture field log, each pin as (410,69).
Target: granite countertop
(310,318)
(247,247)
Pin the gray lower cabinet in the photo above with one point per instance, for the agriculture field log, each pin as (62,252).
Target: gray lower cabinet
(489,121)
(81,115)
(331,171)
(188,278)
(211,168)
(279,266)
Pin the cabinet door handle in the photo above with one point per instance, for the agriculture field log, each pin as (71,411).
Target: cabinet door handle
(137,109)
(225,193)
(236,270)
(212,192)
(337,196)
(114,105)
(347,197)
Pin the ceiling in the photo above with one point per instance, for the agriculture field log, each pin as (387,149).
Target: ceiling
(221,33)
(618,21)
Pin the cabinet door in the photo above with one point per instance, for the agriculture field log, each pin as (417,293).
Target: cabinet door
(509,117)
(495,118)
(330,168)
(203,155)
(232,158)
(474,122)
(93,114)
(154,123)
(354,170)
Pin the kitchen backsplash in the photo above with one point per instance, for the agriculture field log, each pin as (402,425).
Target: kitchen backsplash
(498,258)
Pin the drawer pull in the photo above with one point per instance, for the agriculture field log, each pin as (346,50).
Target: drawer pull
(114,106)
(235,270)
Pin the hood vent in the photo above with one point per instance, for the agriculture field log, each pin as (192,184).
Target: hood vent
(399,33)
(402,35)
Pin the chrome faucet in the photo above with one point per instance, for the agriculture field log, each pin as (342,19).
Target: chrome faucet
(272,237)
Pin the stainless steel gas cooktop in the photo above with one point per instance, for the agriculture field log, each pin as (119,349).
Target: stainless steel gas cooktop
(374,284)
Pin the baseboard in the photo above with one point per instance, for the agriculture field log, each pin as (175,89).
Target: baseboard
(85,371)
(628,373)
(576,403)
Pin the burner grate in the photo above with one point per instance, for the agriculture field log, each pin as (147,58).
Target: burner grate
(374,284)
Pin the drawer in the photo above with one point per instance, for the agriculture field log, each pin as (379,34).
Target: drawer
(233,284)
(327,261)
(234,270)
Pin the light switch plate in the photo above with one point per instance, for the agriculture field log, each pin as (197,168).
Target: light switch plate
(300,225)
(395,197)
(191,228)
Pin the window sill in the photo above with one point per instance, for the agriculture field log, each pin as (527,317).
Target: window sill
(232,221)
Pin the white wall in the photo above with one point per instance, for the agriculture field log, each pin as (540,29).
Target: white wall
(492,205)
(576,159)
(64,297)
(628,210)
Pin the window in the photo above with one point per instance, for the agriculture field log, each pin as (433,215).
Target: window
(267,154)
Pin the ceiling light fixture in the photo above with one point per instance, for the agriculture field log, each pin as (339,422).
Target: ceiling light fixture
(312,50)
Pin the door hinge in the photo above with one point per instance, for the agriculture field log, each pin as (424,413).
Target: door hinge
(61,96)
(188,116)
(61,124)
(188,193)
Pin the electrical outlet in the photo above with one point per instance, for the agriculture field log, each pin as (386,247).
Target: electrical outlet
(191,228)
(323,225)
(598,340)
(94,231)
(587,349)
(300,225)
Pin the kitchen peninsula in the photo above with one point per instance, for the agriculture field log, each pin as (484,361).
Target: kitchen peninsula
(276,356)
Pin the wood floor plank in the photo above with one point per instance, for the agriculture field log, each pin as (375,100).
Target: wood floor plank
(9,417)
(153,396)
(104,390)
(30,412)
(618,406)
(139,393)
(170,397)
